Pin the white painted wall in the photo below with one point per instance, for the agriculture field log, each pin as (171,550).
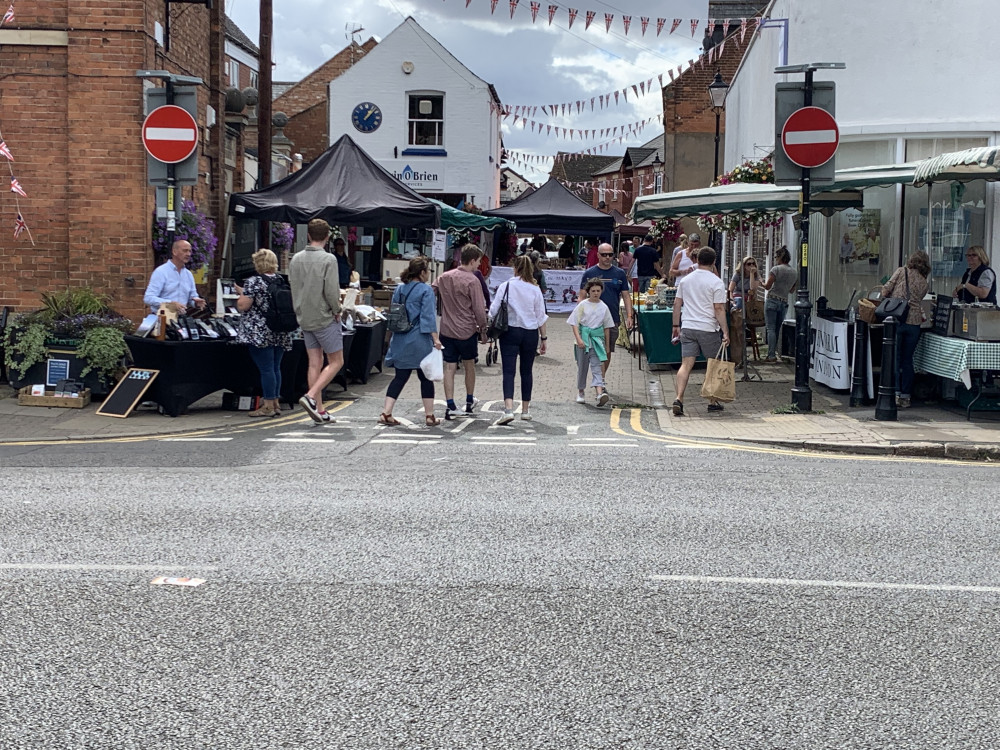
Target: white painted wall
(471,130)
(913,68)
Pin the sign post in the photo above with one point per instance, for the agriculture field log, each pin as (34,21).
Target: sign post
(809,139)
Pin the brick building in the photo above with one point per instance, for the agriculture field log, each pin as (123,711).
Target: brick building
(306,102)
(638,172)
(71,111)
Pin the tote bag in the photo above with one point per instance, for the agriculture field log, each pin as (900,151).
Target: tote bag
(499,324)
(720,378)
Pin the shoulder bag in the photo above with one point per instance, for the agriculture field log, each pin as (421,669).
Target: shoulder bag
(897,307)
(499,323)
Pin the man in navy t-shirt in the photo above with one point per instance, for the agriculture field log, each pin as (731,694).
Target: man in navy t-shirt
(647,263)
(616,287)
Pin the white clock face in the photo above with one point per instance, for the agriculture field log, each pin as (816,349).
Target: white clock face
(366,117)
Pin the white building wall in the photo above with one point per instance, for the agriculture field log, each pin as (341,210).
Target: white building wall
(471,129)
(912,68)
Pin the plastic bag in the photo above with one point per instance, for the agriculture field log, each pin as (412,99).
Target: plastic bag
(433,366)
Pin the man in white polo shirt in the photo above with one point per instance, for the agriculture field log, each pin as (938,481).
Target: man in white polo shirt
(699,315)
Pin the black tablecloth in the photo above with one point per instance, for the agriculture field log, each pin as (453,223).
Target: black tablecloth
(191,370)
(366,351)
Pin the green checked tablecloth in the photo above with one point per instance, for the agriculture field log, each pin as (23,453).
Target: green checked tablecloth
(954,358)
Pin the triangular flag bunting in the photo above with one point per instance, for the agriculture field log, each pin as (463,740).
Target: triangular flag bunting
(572,16)
(694,22)
(8,17)
(711,26)
(19,226)
(642,87)
(513,7)
(590,18)
(534,10)
(552,12)
(644,20)
(626,22)
(5,151)
(608,18)
(15,187)
(743,29)
(493,5)
(674,24)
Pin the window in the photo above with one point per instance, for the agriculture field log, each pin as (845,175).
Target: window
(426,120)
(234,73)
(658,184)
(253,79)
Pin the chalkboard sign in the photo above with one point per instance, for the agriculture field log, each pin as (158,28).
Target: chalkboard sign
(129,391)
(942,316)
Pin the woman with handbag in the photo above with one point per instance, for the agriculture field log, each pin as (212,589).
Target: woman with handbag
(517,316)
(781,282)
(407,348)
(908,283)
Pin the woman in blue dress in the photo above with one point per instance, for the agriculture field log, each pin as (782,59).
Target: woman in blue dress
(407,349)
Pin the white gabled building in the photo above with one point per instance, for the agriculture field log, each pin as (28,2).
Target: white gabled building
(422,115)
(917,84)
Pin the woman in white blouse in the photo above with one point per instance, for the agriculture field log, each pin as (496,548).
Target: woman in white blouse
(526,326)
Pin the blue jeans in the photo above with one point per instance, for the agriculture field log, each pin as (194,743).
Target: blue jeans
(268,361)
(907,337)
(644,283)
(774,316)
(518,342)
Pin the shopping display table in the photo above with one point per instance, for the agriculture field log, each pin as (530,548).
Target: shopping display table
(966,362)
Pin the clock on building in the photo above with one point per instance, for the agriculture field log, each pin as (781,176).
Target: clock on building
(367,117)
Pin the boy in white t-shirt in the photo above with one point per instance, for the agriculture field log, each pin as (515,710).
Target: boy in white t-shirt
(592,326)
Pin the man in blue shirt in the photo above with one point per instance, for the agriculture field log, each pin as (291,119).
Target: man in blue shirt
(172,283)
(616,287)
(647,263)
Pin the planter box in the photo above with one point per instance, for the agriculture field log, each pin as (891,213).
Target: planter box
(24,398)
(36,373)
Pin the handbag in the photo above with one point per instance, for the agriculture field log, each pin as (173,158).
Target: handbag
(499,323)
(720,378)
(399,319)
(897,307)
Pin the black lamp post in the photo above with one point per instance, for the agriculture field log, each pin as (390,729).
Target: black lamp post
(717,91)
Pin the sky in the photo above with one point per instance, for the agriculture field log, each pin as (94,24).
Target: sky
(529,64)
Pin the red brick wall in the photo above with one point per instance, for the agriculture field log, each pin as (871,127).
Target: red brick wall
(312,89)
(309,130)
(72,115)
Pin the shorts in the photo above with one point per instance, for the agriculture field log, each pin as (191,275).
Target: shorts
(706,343)
(456,349)
(329,339)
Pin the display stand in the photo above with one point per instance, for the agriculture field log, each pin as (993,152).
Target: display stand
(747,367)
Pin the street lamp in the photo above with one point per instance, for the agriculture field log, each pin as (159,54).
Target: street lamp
(717,91)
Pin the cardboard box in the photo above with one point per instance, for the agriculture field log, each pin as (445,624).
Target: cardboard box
(232,402)
(382,297)
(24,398)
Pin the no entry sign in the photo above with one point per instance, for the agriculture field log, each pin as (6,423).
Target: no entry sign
(810,137)
(170,134)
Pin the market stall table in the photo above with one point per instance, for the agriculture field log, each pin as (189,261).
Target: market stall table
(366,350)
(958,359)
(191,370)
(654,328)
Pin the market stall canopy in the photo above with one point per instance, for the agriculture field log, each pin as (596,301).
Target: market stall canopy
(738,197)
(553,209)
(961,166)
(343,186)
(885,175)
(453,218)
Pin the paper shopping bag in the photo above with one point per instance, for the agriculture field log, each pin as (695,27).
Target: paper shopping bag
(720,378)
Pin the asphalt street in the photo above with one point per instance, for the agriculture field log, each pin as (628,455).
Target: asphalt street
(570,582)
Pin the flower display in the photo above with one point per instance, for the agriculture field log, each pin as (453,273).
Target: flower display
(193,226)
(282,237)
(759,172)
(755,172)
(667,230)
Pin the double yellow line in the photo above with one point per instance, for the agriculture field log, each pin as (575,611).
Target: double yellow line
(636,430)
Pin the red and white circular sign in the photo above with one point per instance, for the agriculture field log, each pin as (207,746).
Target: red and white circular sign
(170,134)
(810,137)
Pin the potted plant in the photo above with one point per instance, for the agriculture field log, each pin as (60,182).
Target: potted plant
(75,324)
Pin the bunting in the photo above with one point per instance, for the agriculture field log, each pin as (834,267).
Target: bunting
(20,226)
(15,187)
(8,17)
(513,7)
(608,18)
(493,5)
(590,18)
(694,22)
(552,12)
(626,21)
(644,20)
(572,16)
(5,151)
(673,26)
(535,5)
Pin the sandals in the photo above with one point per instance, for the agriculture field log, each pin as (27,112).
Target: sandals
(431,421)
(388,420)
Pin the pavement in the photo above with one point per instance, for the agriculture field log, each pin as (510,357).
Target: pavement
(760,414)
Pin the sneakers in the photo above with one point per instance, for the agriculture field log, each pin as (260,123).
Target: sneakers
(449,414)
(603,398)
(265,411)
(309,405)
(525,416)
(507,418)
(903,402)
(470,405)
(581,398)
(324,417)
(715,407)
(678,408)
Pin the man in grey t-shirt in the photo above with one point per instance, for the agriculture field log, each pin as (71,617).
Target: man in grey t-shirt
(781,282)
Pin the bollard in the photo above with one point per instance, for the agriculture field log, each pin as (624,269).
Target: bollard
(885,406)
(859,390)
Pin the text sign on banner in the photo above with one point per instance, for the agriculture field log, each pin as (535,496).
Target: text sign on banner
(828,364)
(170,134)
(129,391)
(810,137)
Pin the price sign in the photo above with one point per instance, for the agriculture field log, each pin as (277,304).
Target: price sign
(129,392)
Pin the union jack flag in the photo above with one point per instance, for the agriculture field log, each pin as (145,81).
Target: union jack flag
(15,187)
(8,17)
(19,226)
(5,151)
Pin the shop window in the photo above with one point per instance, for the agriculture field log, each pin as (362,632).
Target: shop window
(254,79)
(658,184)
(234,73)
(426,120)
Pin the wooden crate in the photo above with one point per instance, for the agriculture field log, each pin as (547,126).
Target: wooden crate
(24,398)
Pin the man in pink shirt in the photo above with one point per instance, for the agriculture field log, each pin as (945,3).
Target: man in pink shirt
(463,326)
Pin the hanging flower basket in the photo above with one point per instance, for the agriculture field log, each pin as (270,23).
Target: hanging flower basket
(665,230)
(759,172)
(196,228)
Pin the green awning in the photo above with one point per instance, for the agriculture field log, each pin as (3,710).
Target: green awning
(885,175)
(961,166)
(452,218)
(738,198)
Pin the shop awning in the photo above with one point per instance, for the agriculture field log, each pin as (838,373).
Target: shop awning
(453,218)
(971,164)
(738,198)
(885,175)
